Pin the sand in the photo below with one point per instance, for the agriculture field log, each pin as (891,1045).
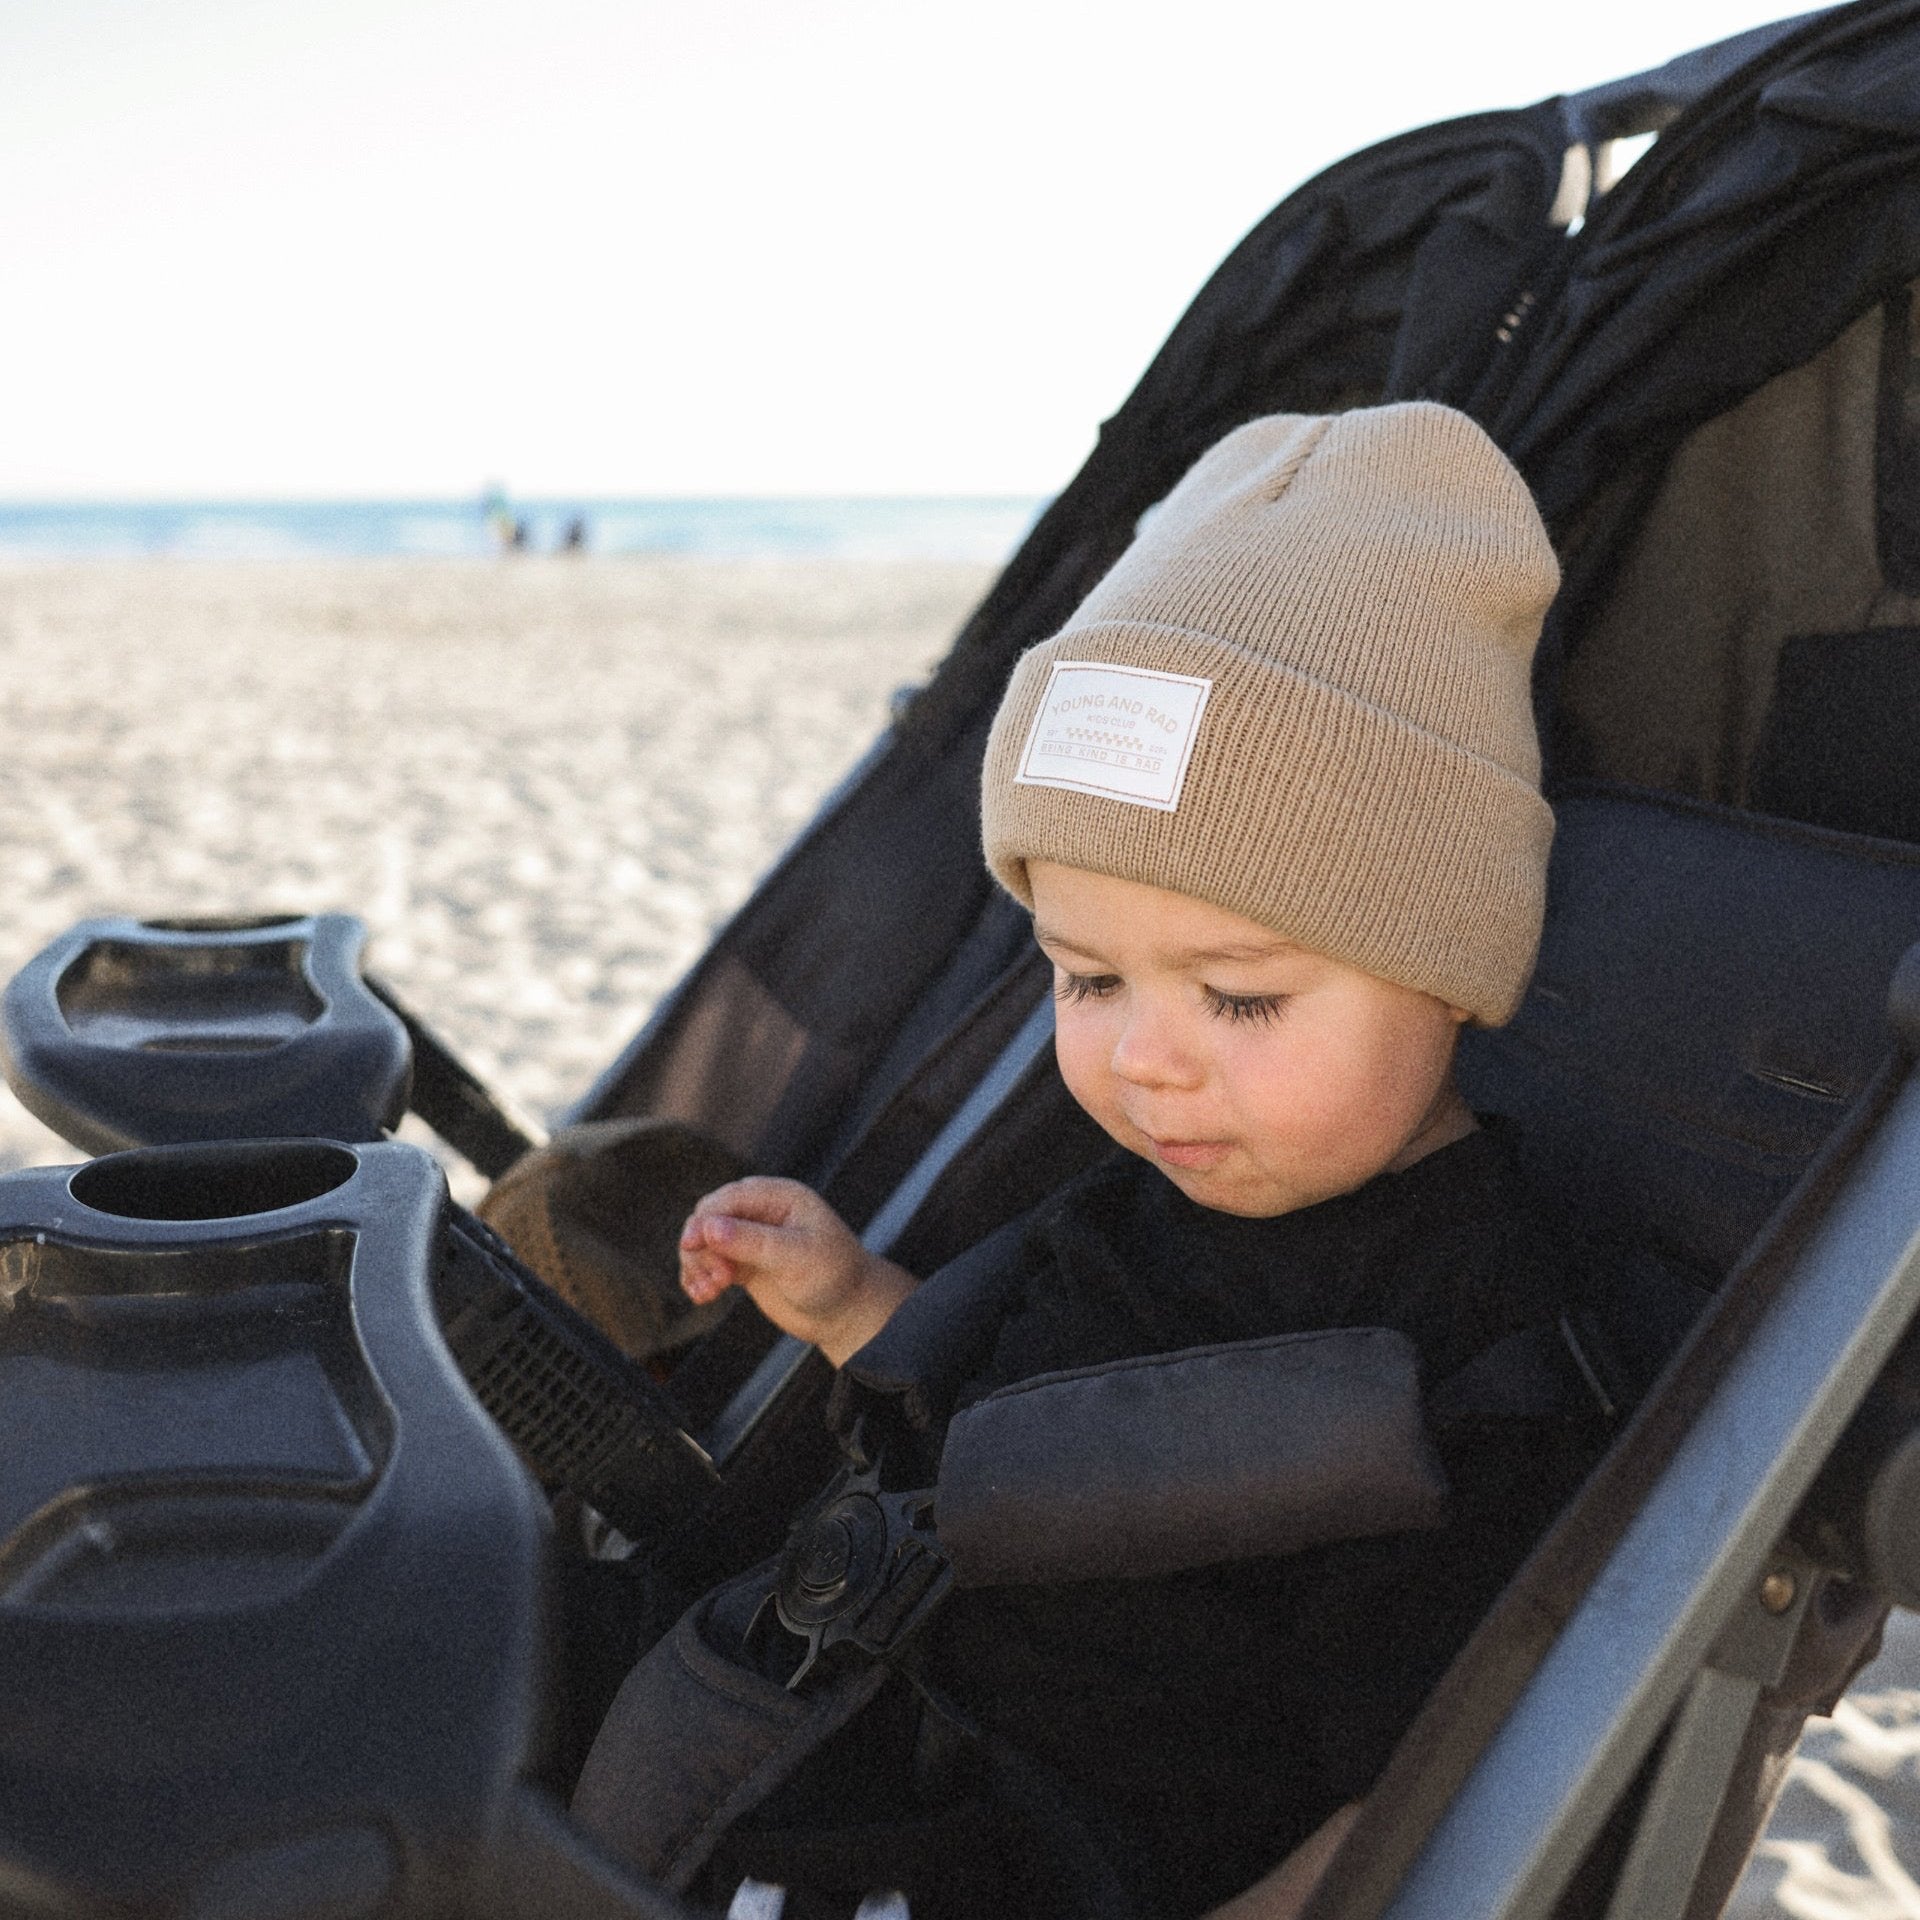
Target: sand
(542,783)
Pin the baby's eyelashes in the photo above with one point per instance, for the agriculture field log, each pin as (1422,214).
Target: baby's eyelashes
(1260,1008)
(1069,987)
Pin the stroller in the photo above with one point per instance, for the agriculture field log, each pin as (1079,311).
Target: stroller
(338,1599)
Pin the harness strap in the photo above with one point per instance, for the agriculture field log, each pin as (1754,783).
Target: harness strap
(697,1737)
(1134,1469)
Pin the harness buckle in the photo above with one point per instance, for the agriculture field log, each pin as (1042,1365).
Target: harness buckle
(863,1569)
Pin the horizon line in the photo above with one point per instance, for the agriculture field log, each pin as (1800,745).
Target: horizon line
(480,499)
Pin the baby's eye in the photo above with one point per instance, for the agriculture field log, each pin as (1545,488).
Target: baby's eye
(1261,1008)
(1069,987)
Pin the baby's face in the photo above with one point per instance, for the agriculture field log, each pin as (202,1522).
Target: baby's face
(1257,1075)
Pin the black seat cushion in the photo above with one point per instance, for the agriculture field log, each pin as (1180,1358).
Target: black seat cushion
(1838,745)
(1711,992)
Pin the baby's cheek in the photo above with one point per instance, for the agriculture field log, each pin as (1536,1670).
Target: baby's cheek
(1082,1056)
(1311,1112)
(1087,1076)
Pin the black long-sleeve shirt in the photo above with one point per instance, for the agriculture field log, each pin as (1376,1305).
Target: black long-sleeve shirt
(1197,1726)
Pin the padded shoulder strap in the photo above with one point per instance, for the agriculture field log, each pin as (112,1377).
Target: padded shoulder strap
(1221,1453)
(697,1737)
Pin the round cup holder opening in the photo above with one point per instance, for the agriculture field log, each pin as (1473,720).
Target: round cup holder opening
(223,1182)
(224,922)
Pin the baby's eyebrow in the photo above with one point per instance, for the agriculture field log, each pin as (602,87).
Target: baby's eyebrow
(1048,938)
(1233,951)
(1239,950)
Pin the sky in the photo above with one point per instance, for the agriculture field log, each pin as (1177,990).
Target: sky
(393,248)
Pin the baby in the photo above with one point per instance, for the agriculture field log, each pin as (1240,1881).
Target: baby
(1258,1075)
(1273,799)
(1272,796)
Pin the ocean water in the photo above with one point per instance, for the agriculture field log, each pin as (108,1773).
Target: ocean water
(970,528)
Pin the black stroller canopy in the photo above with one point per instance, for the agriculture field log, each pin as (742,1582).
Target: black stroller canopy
(1776,214)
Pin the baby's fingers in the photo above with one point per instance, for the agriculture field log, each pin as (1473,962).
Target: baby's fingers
(758,1197)
(743,1242)
(723,1203)
(704,1277)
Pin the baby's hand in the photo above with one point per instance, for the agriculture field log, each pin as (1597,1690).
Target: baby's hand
(796,1258)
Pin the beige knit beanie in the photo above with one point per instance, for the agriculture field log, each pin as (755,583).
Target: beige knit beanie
(1303,694)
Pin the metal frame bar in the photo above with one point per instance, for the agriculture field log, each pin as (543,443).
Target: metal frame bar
(738,1418)
(1704,1743)
(1512,1837)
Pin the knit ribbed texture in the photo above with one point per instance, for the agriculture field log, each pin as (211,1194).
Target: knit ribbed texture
(1364,592)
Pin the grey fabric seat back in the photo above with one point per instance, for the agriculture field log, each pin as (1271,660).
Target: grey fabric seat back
(1710,994)
(1757,641)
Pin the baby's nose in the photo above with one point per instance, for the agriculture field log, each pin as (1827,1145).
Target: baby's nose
(1149,1052)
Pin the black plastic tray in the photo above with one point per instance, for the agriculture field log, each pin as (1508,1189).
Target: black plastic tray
(272,1585)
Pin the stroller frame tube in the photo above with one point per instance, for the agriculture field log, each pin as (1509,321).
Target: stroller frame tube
(788,1354)
(1662,1627)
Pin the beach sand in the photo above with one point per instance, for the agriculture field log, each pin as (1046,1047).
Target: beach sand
(543,782)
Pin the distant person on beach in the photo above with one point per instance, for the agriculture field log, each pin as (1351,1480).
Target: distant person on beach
(510,530)
(505,529)
(574,538)
(1272,797)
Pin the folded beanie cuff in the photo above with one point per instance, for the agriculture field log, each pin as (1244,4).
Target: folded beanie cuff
(1280,819)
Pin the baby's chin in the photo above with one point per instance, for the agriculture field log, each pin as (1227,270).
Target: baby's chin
(1226,1187)
(1235,1184)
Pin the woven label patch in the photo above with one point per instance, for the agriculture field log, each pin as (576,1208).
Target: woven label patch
(1126,732)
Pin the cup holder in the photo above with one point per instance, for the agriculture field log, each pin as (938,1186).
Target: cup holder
(225,1182)
(224,922)
(220,996)
(139,1033)
(267,1570)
